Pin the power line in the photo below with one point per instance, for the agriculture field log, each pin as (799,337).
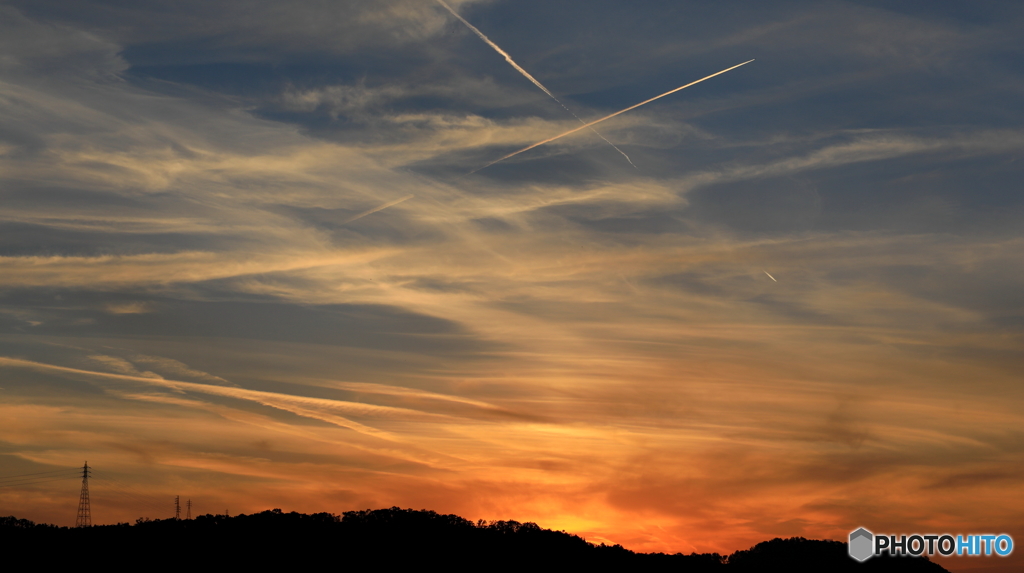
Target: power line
(42,480)
(63,474)
(130,493)
(60,471)
(15,481)
(138,500)
(106,482)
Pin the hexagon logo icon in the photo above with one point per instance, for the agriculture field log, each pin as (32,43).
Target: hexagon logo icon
(861,541)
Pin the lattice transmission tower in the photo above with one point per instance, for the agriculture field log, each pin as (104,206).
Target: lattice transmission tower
(188,509)
(177,508)
(84,518)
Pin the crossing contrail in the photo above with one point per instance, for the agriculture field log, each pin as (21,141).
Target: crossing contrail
(769,275)
(375,209)
(527,75)
(596,121)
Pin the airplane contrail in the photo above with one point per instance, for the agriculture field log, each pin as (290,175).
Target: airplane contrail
(769,275)
(596,121)
(375,209)
(527,75)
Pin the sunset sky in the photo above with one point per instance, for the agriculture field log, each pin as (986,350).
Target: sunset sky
(201,296)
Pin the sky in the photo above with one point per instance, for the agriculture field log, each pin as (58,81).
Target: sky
(250,255)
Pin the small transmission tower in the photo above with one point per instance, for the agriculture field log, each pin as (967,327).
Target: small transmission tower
(188,509)
(177,508)
(84,518)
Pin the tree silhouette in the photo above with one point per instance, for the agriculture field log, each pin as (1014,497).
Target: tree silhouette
(396,537)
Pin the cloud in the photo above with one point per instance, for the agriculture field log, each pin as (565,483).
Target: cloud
(302,27)
(129,308)
(307,407)
(30,46)
(178,368)
(122,366)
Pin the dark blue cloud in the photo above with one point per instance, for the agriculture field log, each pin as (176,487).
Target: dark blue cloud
(89,315)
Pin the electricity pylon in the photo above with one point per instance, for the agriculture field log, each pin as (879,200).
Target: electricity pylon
(188,509)
(177,508)
(84,518)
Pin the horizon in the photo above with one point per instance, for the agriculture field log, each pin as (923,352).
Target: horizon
(481,523)
(462,255)
(417,536)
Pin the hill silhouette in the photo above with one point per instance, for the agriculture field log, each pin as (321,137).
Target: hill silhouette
(398,537)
